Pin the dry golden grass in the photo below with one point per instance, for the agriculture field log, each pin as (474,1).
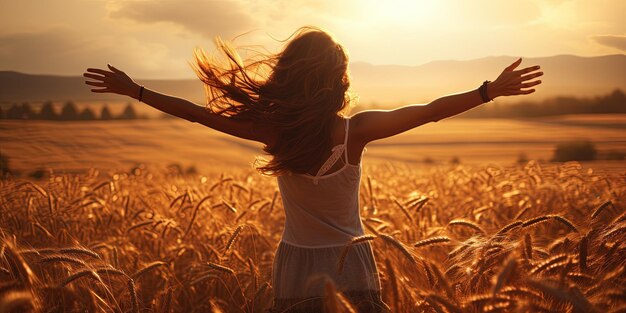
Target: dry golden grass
(449,239)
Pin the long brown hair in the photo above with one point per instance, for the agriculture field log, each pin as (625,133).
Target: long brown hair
(297,94)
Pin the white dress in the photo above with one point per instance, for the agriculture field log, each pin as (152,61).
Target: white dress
(322,216)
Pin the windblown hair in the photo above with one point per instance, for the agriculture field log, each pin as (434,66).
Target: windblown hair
(297,94)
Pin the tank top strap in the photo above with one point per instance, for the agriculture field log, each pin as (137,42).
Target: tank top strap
(336,155)
(345,140)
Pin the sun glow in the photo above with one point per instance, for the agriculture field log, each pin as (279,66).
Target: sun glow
(403,12)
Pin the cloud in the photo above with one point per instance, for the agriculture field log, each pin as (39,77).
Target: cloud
(69,52)
(207,18)
(613,41)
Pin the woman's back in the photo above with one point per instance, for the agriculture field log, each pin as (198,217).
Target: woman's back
(322,210)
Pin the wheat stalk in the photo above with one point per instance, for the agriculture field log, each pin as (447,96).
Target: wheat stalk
(133,296)
(536,220)
(582,253)
(61,258)
(466,223)
(78,275)
(565,222)
(600,209)
(431,241)
(110,271)
(147,268)
(79,250)
(509,227)
(347,247)
(528,246)
(400,246)
(139,225)
(221,268)
(545,264)
(232,238)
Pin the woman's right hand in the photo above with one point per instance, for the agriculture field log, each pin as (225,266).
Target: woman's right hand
(513,82)
(113,81)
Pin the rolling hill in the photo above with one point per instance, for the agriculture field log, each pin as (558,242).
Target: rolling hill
(375,84)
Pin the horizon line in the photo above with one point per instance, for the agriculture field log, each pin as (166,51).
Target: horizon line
(354,62)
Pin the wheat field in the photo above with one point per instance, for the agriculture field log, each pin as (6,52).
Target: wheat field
(541,238)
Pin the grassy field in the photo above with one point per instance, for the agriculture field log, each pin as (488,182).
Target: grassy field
(113,228)
(447,239)
(76,146)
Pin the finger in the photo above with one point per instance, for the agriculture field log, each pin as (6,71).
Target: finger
(99,71)
(101,90)
(527,70)
(530,84)
(531,76)
(99,84)
(514,65)
(114,69)
(94,76)
(525,92)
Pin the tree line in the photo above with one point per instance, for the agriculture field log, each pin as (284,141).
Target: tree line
(69,112)
(612,103)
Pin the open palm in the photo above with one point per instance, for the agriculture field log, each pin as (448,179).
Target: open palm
(113,81)
(515,82)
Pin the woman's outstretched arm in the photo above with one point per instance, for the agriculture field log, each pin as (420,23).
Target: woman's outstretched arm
(116,81)
(377,124)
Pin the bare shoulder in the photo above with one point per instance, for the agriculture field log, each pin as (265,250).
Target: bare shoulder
(356,142)
(359,124)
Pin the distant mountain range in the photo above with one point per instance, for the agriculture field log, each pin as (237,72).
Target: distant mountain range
(18,87)
(382,85)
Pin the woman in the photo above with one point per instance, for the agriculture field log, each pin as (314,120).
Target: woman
(296,103)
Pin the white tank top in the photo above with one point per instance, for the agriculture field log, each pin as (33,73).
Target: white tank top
(323,210)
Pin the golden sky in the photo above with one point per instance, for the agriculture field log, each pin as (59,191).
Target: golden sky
(155,38)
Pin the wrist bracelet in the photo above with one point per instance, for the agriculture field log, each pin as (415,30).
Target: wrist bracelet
(140,93)
(483,91)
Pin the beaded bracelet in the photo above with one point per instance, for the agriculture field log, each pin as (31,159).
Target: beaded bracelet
(140,93)
(483,91)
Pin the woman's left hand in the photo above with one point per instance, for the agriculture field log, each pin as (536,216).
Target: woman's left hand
(113,81)
(513,82)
